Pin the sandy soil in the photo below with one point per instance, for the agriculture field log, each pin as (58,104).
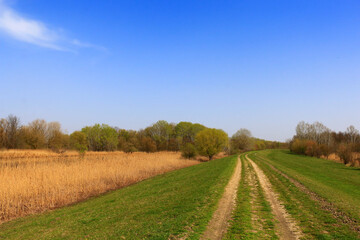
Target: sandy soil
(287,227)
(218,225)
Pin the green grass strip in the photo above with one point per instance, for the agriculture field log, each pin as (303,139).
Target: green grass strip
(333,181)
(179,203)
(314,222)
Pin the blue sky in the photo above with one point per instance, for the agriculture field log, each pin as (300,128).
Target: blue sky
(261,65)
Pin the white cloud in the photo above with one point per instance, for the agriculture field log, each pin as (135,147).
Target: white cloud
(35,32)
(87,45)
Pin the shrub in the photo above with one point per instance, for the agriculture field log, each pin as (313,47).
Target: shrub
(311,149)
(188,151)
(148,145)
(324,150)
(211,141)
(298,146)
(129,147)
(78,142)
(345,154)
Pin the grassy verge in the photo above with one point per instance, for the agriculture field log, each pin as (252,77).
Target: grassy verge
(314,222)
(179,203)
(333,181)
(252,218)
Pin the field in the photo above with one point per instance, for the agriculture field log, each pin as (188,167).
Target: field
(35,181)
(270,194)
(174,205)
(317,198)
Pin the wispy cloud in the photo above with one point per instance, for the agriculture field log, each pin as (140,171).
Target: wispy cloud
(36,32)
(81,44)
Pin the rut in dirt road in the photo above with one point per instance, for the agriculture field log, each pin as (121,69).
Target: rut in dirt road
(286,225)
(325,204)
(218,224)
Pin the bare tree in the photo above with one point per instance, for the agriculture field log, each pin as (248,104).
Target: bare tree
(353,134)
(12,130)
(3,137)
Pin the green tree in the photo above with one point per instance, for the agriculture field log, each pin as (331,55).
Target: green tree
(101,137)
(242,140)
(127,140)
(55,138)
(78,141)
(211,141)
(188,151)
(161,132)
(186,132)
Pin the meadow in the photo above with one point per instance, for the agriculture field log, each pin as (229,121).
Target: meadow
(174,205)
(280,195)
(35,181)
(322,196)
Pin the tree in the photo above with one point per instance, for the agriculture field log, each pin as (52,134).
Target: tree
(12,131)
(55,138)
(345,154)
(101,137)
(78,141)
(161,132)
(353,134)
(187,131)
(188,151)
(183,131)
(147,144)
(127,140)
(242,140)
(211,141)
(3,136)
(34,134)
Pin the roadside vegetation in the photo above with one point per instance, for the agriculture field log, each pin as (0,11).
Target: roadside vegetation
(32,185)
(191,139)
(171,206)
(326,199)
(317,140)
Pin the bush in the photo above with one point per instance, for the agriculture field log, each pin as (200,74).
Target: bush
(78,142)
(324,150)
(129,147)
(188,151)
(148,145)
(298,146)
(312,149)
(345,154)
(211,141)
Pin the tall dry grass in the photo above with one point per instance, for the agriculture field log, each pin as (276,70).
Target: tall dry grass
(37,183)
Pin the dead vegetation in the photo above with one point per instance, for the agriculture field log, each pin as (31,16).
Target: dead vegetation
(35,181)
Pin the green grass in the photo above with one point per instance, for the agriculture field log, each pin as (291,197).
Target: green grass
(315,222)
(252,218)
(171,205)
(334,181)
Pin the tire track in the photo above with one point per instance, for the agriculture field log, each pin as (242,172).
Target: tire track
(287,226)
(325,205)
(218,224)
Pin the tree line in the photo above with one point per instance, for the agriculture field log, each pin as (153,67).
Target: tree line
(189,138)
(318,140)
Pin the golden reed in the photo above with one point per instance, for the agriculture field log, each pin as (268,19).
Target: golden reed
(32,181)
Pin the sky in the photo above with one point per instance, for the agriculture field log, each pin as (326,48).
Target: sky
(260,65)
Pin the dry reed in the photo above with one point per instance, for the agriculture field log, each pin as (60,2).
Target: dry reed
(35,184)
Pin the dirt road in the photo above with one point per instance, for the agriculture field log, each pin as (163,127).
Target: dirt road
(286,226)
(218,224)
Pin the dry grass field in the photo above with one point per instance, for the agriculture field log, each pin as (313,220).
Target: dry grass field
(35,181)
